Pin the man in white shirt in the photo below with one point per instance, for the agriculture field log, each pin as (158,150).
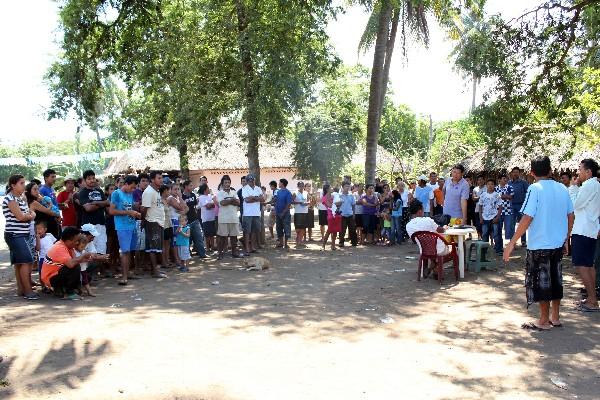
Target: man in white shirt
(433,181)
(153,215)
(585,231)
(419,222)
(228,219)
(252,196)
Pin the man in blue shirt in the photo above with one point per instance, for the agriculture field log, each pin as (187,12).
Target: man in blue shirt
(519,190)
(548,217)
(121,207)
(47,190)
(347,210)
(283,220)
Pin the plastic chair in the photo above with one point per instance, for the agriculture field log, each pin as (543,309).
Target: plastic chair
(428,242)
(480,261)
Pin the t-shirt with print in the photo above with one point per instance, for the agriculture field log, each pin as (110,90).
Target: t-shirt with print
(56,258)
(549,204)
(427,224)
(227,214)
(98,216)
(155,208)
(192,201)
(488,204)
(251,209)
(208,214)
(124,202)
(506,204)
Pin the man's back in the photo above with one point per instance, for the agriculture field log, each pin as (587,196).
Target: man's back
(548,203)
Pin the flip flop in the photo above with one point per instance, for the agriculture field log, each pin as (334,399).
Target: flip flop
(122,283)
(559,325)
(585,308)
(533,327)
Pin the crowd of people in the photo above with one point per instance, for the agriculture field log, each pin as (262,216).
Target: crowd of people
(152,223)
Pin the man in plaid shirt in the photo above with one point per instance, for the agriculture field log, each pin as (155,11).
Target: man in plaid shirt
(506,194)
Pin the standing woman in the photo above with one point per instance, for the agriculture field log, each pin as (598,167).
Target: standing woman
(16,234)
(177,206)
(370,205)
(334,220)
(208,203)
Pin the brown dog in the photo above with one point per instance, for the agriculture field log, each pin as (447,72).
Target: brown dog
(256,263)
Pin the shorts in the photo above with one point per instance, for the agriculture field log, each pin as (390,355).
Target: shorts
(209,228)
(251,225)
(228,229)
(323,217)
(369,223)
(358,219)
(311,218)
(18,245)
(100,240)
(154,237)
(583,250)
(300,220)
(184,253)
(140,236)
(543,275)
(127,240)
(168,234)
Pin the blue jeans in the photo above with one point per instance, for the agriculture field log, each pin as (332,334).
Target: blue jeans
(283,225)
(505,221)
(397,231)
(517,215)
(197,238)
(488,229)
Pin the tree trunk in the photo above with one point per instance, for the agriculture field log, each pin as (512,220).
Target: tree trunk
(249,90)
(184,162)
(377,73)
(474,93)
(389,51)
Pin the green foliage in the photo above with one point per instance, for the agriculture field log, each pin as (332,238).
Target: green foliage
(454,141)
(28,171)
(330,129)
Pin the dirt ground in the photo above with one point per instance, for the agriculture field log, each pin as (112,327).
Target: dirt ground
(309,328)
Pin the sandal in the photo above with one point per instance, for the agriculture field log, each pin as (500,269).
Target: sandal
(31,296)
(533,327)
(556,325)
(585,308)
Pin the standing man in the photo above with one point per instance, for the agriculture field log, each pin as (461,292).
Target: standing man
(348,221)
(228,219)
(66,205)
(506,194)
(283,219)
(196,232)
(94,204)
(519,186)
(456,195)
(438,197)
(240,197)
(424,193)
(121,207)
(252,196)
(586,230)
(433,181)
(153,213)
(47,190)
(548,218)
(477,191)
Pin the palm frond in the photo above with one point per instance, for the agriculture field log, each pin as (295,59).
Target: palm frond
(370,33)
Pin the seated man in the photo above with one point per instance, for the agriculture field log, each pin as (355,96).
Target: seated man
(420,223)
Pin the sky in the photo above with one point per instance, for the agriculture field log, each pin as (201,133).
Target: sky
(425,80)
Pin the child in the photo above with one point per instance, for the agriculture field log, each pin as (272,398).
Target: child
(89,232)
(47,202)
(397,205)
(386,232)
(82,242)
(490,208)
(46,241)
(182,241)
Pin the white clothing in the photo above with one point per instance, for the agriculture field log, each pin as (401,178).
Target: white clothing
(208,214)
(227,214)
(299,208)
(434,186)
(251,209)
(320,205)
(587,209)
(418,224)
(404,197)
(89,249)
(156,209)
(573,192)
(173,212)
(45,243)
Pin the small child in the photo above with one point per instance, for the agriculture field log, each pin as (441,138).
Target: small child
(47,202)
(46,241)
(386,232)
(86,245)
(182,241)
(80,246)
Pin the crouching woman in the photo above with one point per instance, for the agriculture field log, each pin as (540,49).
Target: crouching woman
(61,270)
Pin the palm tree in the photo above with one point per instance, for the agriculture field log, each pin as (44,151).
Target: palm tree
(382,29)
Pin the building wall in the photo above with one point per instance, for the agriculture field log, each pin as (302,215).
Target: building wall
(266,175)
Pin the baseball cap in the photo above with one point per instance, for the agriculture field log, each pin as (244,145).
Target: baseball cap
(91,229)
(423,178)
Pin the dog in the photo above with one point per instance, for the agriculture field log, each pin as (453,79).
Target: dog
(256,263)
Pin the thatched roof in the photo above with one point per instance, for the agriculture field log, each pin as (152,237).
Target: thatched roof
(485,160)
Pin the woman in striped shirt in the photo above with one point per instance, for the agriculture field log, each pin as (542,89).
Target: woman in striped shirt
(16,234)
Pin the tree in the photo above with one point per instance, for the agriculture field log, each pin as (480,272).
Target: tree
(330,128)
(543,65)
(386,17)
(454,141)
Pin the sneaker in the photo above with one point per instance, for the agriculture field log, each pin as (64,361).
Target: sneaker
(32,296)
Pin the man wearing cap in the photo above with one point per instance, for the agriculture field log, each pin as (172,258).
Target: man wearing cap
(65,202)
(121,207)
(251,226)
(424,193)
